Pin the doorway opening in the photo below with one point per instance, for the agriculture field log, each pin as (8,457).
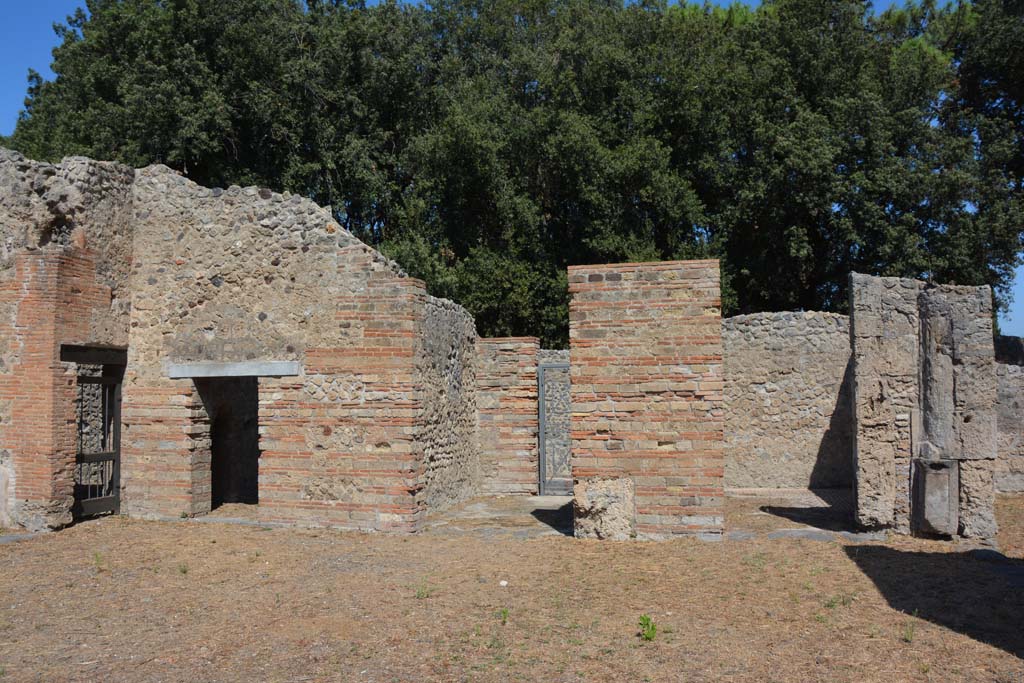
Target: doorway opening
(232,404)
(99,371)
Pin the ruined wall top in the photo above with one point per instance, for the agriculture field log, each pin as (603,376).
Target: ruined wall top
(241,273)
(295,220)
(75,204)
(197,273)
(42,203)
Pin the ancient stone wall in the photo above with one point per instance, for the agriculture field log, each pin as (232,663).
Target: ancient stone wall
(885,326)
(507,401)
(449,434)
(65,236)
(925,397)
(647,397)
(360,438)
(556,439)
(1010,420)
(787,400)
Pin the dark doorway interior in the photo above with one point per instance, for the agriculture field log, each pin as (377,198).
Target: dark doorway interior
(233,406)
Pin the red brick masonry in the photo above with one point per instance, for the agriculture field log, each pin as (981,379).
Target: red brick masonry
(507,404)
(647,388)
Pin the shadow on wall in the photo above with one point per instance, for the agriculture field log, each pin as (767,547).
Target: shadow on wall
(832,477)
(978,593)
(833,466)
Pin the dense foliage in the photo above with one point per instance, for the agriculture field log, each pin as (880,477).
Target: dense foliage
(488,144)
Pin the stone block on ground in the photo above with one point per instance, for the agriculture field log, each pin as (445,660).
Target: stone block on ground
(604,508)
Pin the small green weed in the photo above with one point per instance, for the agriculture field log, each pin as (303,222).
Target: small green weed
(757,560)
(183,569)
(648,629)
(503,615)
(842,599)
(907,636)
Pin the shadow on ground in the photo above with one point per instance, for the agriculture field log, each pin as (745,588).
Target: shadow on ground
(978,593)
(833,512)
(559,519)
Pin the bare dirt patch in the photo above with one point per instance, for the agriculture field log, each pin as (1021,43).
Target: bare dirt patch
(126,600)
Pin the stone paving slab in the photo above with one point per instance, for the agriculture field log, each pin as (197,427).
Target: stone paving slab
(13,538)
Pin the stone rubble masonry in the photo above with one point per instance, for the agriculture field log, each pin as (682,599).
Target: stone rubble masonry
(377,430)
(925,392)
(449,434)
(647,389)
(507,402)
(1010,421)
(787,401)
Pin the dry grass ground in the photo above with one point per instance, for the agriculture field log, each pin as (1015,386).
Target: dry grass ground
(123,600)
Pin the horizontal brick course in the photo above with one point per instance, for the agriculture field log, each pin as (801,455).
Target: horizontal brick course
(507,404)
(647,389)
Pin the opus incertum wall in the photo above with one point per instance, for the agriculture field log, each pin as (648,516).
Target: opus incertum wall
(1010,421)
(67,232)
(379,425)
(788,386)
(647,399)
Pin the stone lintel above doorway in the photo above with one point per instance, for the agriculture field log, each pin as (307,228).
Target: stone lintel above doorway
(254,368)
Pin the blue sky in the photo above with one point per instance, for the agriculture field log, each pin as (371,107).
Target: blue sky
(26,38)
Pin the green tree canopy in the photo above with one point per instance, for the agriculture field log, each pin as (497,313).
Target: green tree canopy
(488,144)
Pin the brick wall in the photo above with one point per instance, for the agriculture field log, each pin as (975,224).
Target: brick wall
(379,427)
(507,403)
(50,299)
(647,389)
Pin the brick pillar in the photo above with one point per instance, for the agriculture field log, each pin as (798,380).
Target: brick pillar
(647,397)
(165,447)
(507,403)
(49,301)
